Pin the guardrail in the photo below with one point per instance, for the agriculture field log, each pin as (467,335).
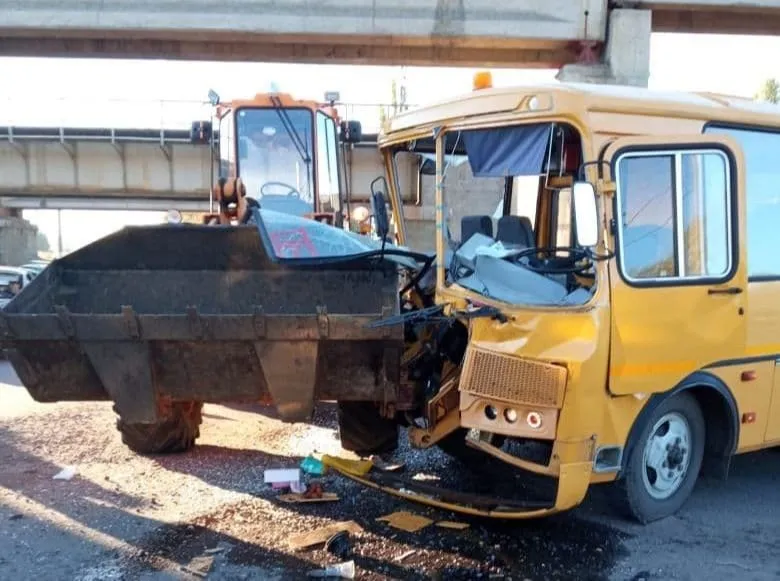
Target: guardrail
(162,137)
(130,114)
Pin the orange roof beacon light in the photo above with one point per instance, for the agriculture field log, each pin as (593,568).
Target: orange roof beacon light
(483,80)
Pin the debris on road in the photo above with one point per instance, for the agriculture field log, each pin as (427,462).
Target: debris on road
(448,524)
(338,545)
(322,534)
(66,473)
(310,465)
(403,556)
(380,464)
(354,467)
(283,478)
(406,521)
(343,570)
(300,498)
(199,566)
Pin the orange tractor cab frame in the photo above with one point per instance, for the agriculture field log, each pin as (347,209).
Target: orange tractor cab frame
(284,153)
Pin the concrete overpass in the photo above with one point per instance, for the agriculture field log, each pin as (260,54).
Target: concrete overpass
(124,169)
(605,41)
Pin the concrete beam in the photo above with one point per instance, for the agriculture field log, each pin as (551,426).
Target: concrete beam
(751,17)
(306,51)
(626,60)
(412,32)
(75,202)
(103,169)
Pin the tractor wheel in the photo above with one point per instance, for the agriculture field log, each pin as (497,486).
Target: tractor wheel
(364,431)
(176,431)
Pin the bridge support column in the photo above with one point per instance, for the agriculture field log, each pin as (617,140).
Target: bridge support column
(626,59)
(18,238)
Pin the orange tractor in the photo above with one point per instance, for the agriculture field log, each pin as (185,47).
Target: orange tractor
(286,154)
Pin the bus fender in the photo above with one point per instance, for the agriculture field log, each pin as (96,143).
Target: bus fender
(720,412)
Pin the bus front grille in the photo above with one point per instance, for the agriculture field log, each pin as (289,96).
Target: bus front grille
(512,379)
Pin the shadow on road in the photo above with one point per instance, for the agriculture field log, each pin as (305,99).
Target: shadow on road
(82,506)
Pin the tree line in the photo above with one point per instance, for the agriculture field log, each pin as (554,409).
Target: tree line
(769,91)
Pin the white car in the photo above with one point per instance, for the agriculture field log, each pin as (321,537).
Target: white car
(34,267)
(9,275)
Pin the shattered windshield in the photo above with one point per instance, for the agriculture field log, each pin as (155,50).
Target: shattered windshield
(292,237)
(497,242)
(275,158)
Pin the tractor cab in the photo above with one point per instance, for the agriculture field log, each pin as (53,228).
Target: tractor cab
(286,154)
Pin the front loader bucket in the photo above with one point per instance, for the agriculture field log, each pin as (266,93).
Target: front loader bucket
(198,313)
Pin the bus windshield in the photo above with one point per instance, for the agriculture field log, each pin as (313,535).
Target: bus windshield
(275,158)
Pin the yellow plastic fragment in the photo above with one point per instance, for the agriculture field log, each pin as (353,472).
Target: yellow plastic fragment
(354,467)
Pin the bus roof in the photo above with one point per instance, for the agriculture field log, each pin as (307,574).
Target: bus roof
(585,98)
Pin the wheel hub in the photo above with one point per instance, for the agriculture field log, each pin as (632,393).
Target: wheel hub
(666,455)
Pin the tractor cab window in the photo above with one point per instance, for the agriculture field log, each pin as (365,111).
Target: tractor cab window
(327,164)
(275,157)
(227,156)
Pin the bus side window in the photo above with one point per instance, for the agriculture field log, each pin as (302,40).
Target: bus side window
(762,179)
(674,226)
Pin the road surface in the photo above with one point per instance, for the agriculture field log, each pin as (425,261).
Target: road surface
(208,513)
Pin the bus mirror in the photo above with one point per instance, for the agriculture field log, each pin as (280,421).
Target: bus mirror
(379,208)
(585,214)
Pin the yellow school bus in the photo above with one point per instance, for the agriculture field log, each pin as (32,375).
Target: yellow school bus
(625,241)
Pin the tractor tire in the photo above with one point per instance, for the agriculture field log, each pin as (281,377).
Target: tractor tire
(664,465)
(175,432)
(364,431)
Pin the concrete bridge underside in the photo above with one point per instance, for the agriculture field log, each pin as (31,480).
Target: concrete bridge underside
(611,37)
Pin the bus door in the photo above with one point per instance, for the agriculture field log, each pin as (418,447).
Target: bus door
(679,282)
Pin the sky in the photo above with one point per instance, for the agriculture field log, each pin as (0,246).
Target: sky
(106,93)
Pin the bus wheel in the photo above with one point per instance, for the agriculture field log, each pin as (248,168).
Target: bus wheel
(663,467)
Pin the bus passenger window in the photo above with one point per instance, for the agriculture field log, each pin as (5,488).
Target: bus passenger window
(674,226)
(647,214)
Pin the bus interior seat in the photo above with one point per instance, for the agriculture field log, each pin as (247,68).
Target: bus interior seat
(515,231)
(470,225)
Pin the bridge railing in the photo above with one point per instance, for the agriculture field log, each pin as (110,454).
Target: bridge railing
(131,120)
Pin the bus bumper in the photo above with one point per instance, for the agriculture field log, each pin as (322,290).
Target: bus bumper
(573,479)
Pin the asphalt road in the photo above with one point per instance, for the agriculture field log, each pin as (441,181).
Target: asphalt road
(207,513)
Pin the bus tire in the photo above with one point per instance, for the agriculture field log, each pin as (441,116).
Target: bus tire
(663,467)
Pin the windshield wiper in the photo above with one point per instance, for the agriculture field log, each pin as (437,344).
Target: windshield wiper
(484,311)
(290,128)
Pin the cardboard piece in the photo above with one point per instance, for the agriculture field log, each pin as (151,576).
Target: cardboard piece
(448,524)
(406,521)
(298,498)
(322,534)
